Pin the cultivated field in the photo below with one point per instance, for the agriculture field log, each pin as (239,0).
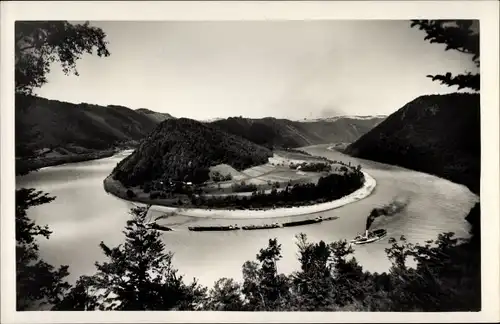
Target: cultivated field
(265,176)
(276,174)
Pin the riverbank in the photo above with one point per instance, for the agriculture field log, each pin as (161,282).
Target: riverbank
(83,215)
(115,188)
(339,147)
(28,165)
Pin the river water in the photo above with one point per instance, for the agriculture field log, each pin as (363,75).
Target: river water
(83,215)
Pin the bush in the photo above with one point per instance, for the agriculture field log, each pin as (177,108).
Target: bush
(328,188)
(244,187)
(217,177)
(157,195)
(315,167)
(130,194)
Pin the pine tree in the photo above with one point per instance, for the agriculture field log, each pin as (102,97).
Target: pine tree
(139,274)
(38,283)
(313,286)
(445,276)
(457,35)
(226,295)
(37,45)
(264,288)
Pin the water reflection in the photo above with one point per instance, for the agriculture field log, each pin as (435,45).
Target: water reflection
(83,215)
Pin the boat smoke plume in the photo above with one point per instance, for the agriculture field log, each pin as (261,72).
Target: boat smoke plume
(391,209)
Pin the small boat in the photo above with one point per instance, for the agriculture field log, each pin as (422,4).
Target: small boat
(369,237)
(357,238)
(366,240)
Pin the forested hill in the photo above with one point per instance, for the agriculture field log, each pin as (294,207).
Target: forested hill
(155,116)
(436,134)
(272,132)
(183,149)
(63,126)
(60,124)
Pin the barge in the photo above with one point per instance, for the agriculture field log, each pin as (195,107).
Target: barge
(213,228)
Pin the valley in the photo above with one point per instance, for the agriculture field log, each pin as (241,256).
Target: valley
(84,214)
(338,176)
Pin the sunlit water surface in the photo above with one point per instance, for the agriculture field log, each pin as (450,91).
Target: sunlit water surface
(83,215)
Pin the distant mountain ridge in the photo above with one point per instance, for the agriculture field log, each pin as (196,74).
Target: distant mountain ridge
(78,128)
(274,132)
(87,126)
(335,118)
(156,116)
(436,134)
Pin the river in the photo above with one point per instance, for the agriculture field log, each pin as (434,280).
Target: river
(83,215)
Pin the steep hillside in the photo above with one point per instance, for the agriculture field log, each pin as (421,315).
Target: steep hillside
(184,149)
(436,134)
(272,132)
(155,116)
(63,125)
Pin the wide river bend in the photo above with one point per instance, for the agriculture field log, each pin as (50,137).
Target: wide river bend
(83,215)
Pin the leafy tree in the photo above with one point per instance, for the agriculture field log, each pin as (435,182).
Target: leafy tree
(226,295)
(40,43)
(37,45)
(264,288)
(313,286)
(457,35)
(445,276)
(38,283)
(137,276)
(83,296)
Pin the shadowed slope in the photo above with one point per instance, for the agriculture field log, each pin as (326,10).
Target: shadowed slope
(436,134)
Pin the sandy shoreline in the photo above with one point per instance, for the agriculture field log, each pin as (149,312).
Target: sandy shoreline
(363,192)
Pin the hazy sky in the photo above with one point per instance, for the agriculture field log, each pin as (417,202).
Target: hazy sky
(290,69)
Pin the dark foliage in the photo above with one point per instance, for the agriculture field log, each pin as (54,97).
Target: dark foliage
(183,150)
(313,167)
(137,276)
(37,45)
(328,188)
(217,177)
(130,194)
(38,283)
(474,218)
(446,278)
(27,165)
(74,129)
(436,134)
(264,288)
(244,187)
(459,35)
(226,295)
(40,43)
